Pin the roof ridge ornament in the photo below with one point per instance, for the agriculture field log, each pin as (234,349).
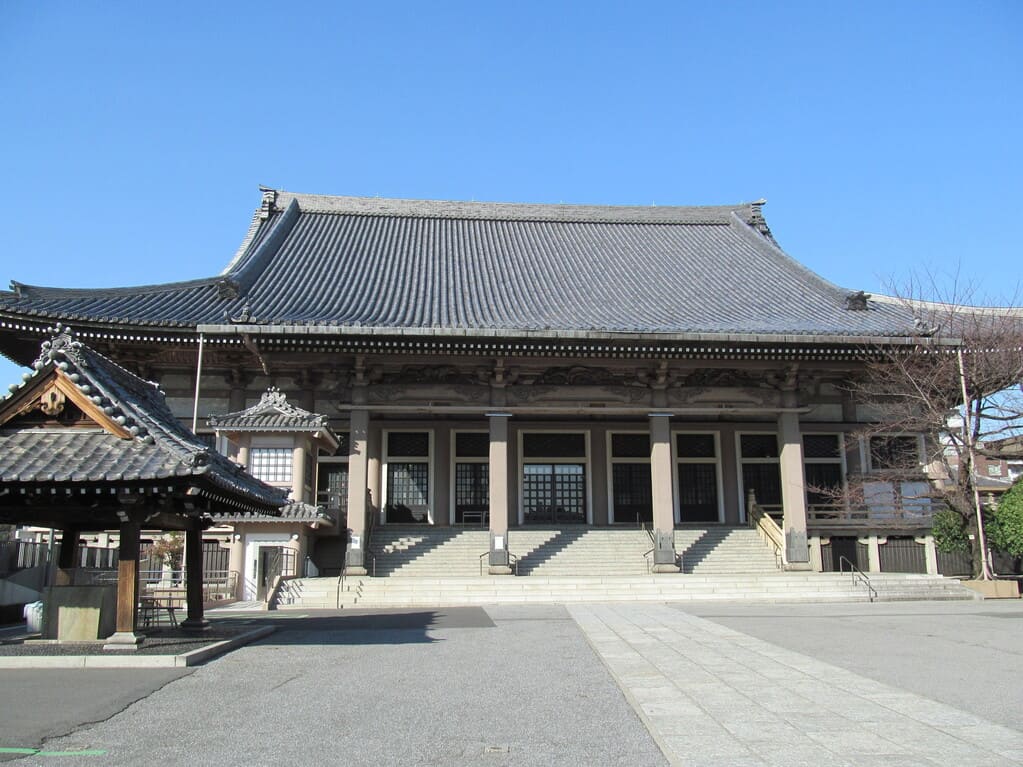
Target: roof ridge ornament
(757,220)
(857,301)
(63,342)
(269,202)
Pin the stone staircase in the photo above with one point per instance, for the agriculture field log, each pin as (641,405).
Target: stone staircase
(723,550)
(437,567)
(404,591)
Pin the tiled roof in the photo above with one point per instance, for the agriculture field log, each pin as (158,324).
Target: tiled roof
(366,264)
(273,412)
(293,512)
(160,448)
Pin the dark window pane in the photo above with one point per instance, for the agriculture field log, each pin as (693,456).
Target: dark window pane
(551,445)
(759,445)
(472,491)
(630,445)
(695,446)
(820,446)
(698,492)
(630,488)
(554,493)
(408,492)
(823,483)
(408,444)
(894,453)
(472,445)
(765,480)
(332,485)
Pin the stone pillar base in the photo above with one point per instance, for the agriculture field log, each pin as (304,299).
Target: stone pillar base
(356,570)
(663,568)
(124,640)
(797,567)
(499,570)
(195,625)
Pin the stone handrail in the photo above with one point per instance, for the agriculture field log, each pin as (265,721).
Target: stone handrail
(764,524)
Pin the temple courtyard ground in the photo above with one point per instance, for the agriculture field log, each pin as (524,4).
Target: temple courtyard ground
(616,684)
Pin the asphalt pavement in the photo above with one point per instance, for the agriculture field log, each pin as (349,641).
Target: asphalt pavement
(623,684)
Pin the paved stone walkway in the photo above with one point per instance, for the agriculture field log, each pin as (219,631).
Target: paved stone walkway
(713,696)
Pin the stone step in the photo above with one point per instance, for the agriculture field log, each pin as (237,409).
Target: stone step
(450,591)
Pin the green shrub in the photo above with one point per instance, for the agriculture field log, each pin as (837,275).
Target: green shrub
(1005,524)
(950,532)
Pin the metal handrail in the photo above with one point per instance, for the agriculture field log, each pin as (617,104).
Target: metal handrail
(857,574)
(341,579)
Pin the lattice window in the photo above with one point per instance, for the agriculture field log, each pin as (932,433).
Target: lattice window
(759,445)
(270,464)
(553,445)
(630,445)
(472,491)
(765,480)
(332,488)
(402,444)
(894,453)
(472,445)
(695,446)
(554,493)
(408,484)
(821,446)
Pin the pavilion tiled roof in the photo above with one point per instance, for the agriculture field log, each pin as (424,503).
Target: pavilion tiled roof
(273,413)
(398,266)
(159,450)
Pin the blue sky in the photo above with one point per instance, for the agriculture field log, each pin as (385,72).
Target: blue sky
(885,136)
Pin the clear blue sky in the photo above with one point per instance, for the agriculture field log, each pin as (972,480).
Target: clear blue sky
(885,136)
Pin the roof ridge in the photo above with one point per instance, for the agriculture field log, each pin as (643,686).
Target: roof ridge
(514,211)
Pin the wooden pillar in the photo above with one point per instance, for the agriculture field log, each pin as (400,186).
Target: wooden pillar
(125,638)
(499,560)
(665,560)
(358,472)
(793,491)
(67,557)
(193,578)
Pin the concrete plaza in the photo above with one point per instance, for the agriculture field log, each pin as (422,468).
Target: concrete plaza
(625,684)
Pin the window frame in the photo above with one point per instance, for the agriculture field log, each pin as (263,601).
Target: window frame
(386,460)
(739,461)
(586,462)
(453,469)
(867,457)
(676,461)
(840,460)
(611,461)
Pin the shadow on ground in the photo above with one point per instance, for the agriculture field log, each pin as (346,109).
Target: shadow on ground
(364,627)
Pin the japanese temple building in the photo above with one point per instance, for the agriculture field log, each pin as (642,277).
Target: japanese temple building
(511,365)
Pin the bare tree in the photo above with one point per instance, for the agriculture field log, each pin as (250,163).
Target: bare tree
(960,388)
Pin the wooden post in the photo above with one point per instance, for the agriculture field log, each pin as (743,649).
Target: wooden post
(125,638)
(66,557)
(193,578)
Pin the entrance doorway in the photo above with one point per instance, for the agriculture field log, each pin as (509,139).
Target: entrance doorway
(554,493)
